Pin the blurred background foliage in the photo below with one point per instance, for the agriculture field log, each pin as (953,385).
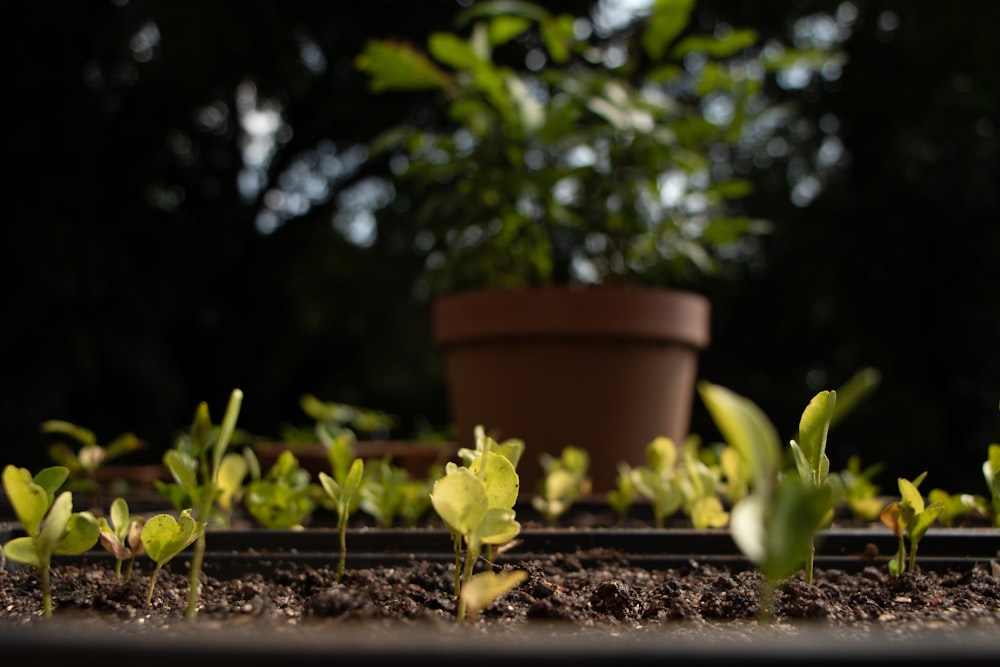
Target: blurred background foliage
(188,209)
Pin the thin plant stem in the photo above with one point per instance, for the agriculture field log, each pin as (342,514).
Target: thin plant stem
(46,589)
(152,584)
(810,561)
(194,576)
(342,560)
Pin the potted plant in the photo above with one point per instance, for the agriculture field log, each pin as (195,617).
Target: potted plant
(574,182)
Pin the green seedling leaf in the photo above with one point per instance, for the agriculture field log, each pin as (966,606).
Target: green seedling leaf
(747,527)
(809,449)
(56,524)
(80,434)
(497,527)
(81,534)
(484,588)
(184,469)
(708,512)
(164,536)
(22,550)
(233,470)
(344,496)
(911,496)
(623,496)
(461,500)
(32,497)
(499,477)
(661,454)
(745,427)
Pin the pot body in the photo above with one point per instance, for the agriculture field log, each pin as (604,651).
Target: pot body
(604,369)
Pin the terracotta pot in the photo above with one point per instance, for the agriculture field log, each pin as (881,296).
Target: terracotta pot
(605,369)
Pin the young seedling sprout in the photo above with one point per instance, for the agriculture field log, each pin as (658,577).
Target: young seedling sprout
(564,482)
(197,470)
(699,488)
(909,517)
(991,471)
(164,537)
(389,492)
(83,460)
(122,537)
(344,495)
(51,525)
(283,498)
(476,504)
(811,461)
(657,481)
(623,496)
(774,524)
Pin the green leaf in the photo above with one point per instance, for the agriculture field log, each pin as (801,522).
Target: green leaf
(502,29)
(28,499)
(123,444)
(82,533)
(232,471)
(852,392)
(55,526)
(715,47)
(497,527)
(911,496)
(924,520)
(460,499)
(500,479)
(226,430)
(557,34)
(485,587)
(184,470)
(22,550)
(667,20)
(813,429)
(454,52)
(83,435)
(661,454)
(51,479)
(164,537)
(119,517)
(394,66)
(746,525)
(746,428)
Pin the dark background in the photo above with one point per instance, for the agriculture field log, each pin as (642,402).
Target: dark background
(136,282)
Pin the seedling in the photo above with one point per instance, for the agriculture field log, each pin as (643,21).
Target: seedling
(284,498)
(196,463)
(164,537)
(861,493)
(624,495)
(811,461)
(657,481)
(991,471)
(344,495)
(909,517)
(122,536)
(333,419)
(51,525)
(476,504)
(774,524)
(699,488)
(487,586)
(87,456)
(388,492)
(564,482)
(954,506)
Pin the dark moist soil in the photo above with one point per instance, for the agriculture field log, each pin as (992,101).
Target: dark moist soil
(613,598)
